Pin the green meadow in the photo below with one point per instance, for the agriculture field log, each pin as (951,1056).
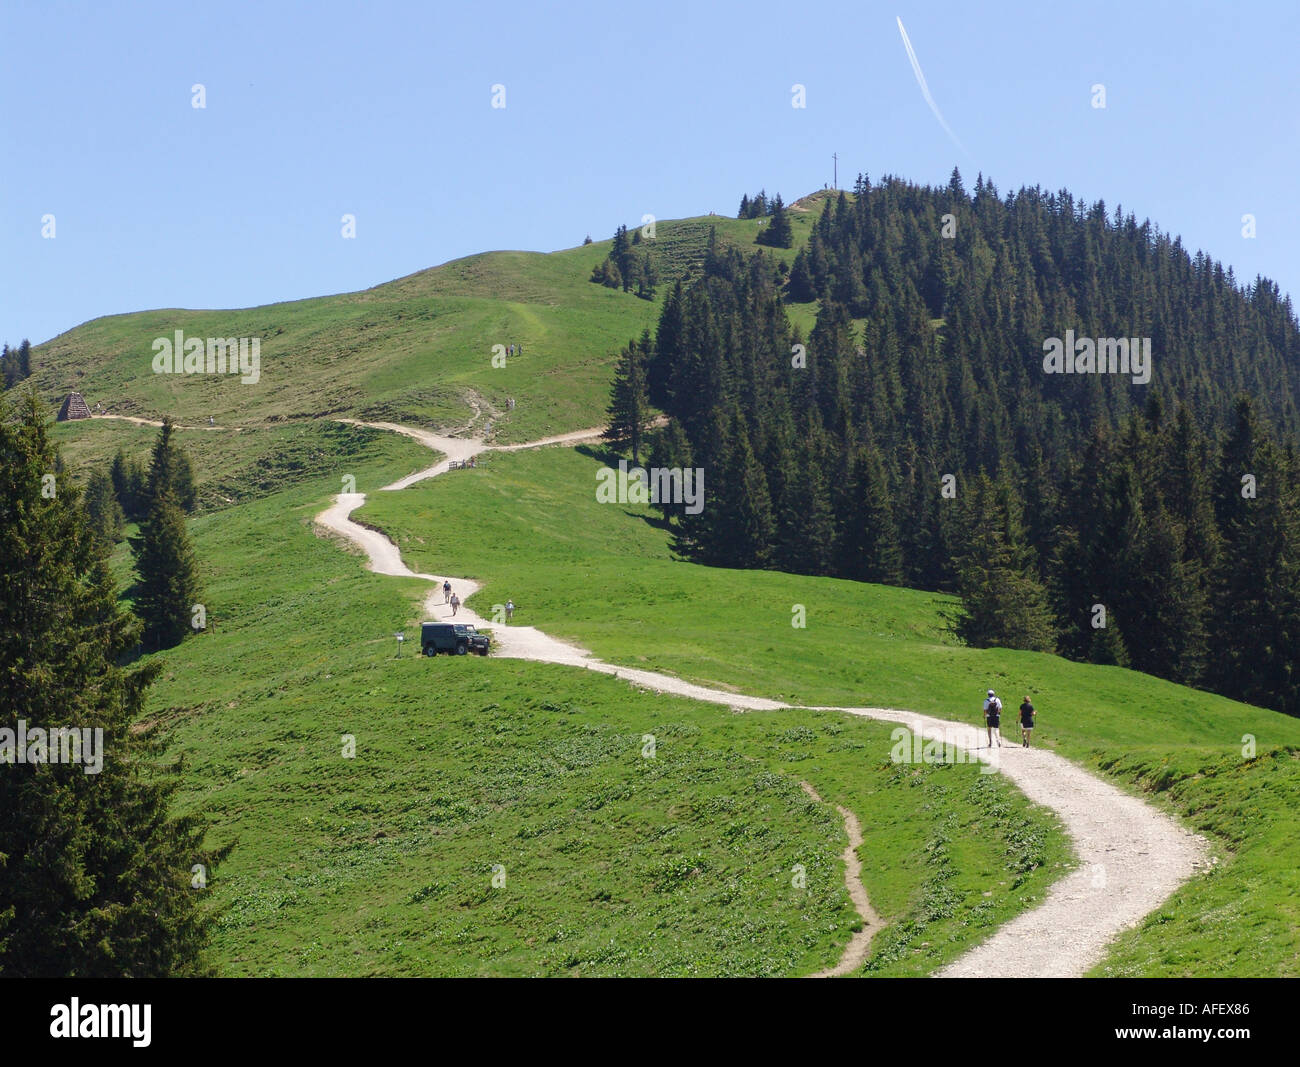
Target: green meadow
(541,539)
(501,817)
(533,775)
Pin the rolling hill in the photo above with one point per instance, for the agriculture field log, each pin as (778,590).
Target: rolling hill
(385,864)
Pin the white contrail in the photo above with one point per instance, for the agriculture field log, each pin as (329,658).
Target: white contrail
(925,89)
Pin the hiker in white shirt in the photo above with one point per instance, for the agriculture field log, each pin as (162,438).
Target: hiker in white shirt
(993,717)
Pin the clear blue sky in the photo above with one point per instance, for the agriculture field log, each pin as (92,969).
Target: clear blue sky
(383,110)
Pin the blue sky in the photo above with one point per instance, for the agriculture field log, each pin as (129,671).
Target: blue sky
(383,111)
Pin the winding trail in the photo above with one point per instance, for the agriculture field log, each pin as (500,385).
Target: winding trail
(1131,857)
(855,952)
(140,420)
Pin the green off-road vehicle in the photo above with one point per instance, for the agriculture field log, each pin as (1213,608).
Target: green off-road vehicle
(452,639)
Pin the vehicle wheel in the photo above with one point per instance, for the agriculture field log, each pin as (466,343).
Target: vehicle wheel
(461,649)
(482,651)
(430,650)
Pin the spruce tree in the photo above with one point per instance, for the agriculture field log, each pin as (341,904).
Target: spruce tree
(800,288)
(871,551)
(623,257)
(1003,603)
(170,472)
(778,232)
(670,450)
(628,404)
(103,512)
(95,871)
(167,589)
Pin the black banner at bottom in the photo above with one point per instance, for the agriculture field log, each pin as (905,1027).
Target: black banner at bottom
(339,1015)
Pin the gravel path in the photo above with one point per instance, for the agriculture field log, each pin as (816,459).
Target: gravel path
(860,943)
(1131,857)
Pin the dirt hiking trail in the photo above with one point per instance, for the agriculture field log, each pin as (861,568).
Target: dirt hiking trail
(1131,857)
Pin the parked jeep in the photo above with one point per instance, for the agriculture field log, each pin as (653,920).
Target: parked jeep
(452,639)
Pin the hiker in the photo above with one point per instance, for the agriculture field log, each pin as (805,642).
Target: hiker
(210,422)
(993,717)
(1026,721)
(510,609)
(455,603)
(446,592)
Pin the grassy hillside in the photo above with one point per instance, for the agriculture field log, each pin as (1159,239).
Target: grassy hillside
(602,575)
(411,350)
(613,863)
(383,864)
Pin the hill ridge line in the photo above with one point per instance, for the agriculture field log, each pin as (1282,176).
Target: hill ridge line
(1132,857)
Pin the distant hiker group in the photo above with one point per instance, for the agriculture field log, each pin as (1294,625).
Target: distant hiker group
(993,719)
(448,597)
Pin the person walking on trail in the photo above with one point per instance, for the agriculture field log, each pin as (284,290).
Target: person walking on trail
(446,592)
(455,603)
(510,609)
(1026,721)
(993,717)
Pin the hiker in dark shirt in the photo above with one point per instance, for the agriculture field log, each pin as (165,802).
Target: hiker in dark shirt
(1026,721)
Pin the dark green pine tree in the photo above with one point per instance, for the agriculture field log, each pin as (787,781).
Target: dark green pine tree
(1255,586)
(1106,645)
(629,408)
(785,488)
(800,288)
(129,485)
(743,528)
(170,472)
(103,512)
(871,550)
(670,450)
(647,278)
(735,526)
(95,871)
(623,257)
(1003,603)
(8,367)
(167,588)
(810,545)
(606,273)
(1238,581)
(777,233)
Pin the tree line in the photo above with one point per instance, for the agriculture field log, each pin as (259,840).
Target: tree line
(157,497)
(623,268)
(913,438)
(16,363)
